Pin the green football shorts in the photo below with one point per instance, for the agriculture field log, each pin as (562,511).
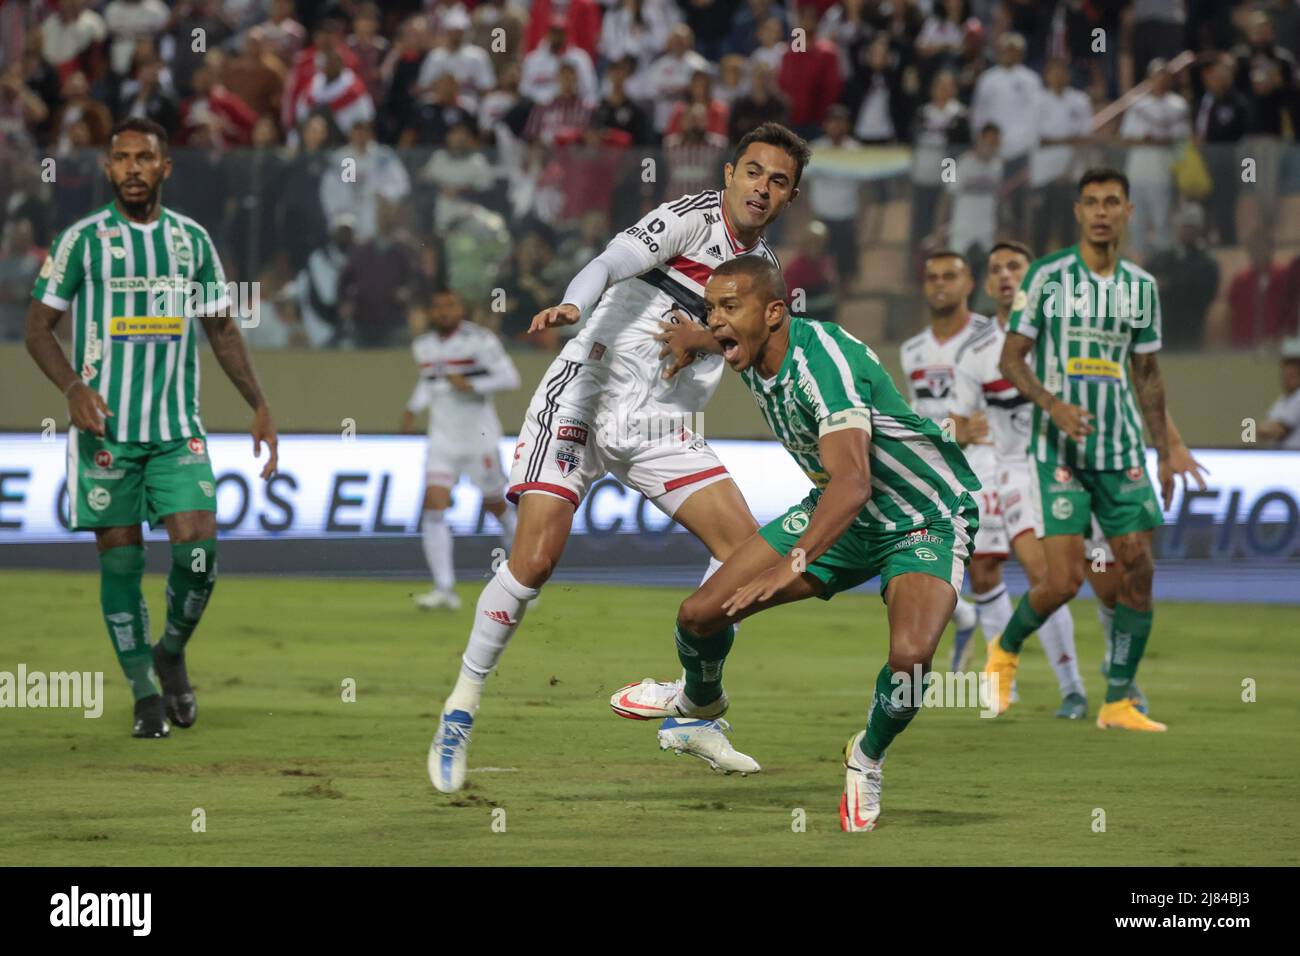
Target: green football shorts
(1123,500)
(941,548)
(115,484)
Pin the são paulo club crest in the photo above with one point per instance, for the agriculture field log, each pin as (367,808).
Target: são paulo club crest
(196,446)
(103,458)
(567,459)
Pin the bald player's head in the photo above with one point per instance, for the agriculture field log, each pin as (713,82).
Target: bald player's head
(745,305)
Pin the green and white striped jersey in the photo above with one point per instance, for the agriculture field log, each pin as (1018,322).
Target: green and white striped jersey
(135,290)
(1084,328)
(829,378)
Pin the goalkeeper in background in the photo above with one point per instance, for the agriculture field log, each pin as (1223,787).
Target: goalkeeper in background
(136,446)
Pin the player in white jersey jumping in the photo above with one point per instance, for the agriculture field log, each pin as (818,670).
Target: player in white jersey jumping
(461,366)
(929,361)
(981,386)
(621,378)
(987,405)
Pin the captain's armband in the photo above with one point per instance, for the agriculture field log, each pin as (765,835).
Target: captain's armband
(849,418)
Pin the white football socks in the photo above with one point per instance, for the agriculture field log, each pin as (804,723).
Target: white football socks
(437,549)
(497,615)
(964,615)
(1107,617)
(994,611)
(1057,635)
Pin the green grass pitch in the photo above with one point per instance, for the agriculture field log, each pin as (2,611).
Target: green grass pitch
(286,772)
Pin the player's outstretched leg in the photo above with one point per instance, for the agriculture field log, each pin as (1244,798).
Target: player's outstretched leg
(919,607)
(543,529)
(189,587)
(121,569)
(1133,616)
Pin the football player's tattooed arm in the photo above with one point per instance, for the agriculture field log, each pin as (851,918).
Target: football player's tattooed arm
(1149,387)
(1071,419)
(843,446)
(232,355)
(86,407)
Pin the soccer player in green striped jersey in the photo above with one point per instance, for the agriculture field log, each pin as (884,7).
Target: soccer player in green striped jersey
(135,276)
(1088,322)
(892,498)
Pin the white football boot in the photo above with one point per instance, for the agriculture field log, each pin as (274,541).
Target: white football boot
(860,804)
(706,739)
(449,751)
(652,700)
(438,600)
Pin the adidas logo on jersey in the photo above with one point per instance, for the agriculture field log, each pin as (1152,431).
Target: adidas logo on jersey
(715,251)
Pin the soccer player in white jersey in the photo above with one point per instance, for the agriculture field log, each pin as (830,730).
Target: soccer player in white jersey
(138,279)
(929,361)
(982,388)
(987,405)
(644,364)
(462,365)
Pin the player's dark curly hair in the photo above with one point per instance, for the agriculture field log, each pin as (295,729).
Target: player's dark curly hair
(774,134)
(1103,174)
(138,124)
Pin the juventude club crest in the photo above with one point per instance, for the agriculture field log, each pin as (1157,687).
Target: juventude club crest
(796,522)
(1061,508)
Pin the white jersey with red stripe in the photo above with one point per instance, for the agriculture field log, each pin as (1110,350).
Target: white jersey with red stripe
(679,244)
(930,367)
(461,421)
(981,386)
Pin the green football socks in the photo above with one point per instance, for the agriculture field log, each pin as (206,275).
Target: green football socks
(1132,628)
(887,719)
(189,585)
(127,617)
(702,659)
(1024,622)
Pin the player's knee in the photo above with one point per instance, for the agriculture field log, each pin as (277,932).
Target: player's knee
(531,566)
(699,617)
(196,558)
(1064,583)
(1139,573)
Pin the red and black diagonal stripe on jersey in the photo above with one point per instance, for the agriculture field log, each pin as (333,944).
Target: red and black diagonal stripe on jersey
(1002,394)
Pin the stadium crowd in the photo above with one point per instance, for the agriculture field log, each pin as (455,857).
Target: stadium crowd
(493,145)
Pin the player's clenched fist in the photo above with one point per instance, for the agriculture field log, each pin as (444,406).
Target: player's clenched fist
(1076,422)
(556,315)
(87,409)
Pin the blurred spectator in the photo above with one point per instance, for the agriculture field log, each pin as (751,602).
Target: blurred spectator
(1281,425)
(670,75)
(635,28)
(973,196)
(530,285)
(540,79)
(363,178)
(1159,28)
(1063,123)
(1260,308)
(974,60)
(228,118)
(300,211)
(1002,96)
(585,243)
(708,20)
(337,89)
(939,44)
(1188,279)
(810,275)
(78,107)
(1261,52)
(317,285)
(285,36)
(255,75)
(742,36)
(146,96)
(1151,129)
(695,156)
(618,112)
(493,107)
(400,74)
(733,78)
(773,41)
(939,131)
(578,19)
(836,197)
(276,321)
(252,179)
(20,261)
(469,64)
(80,175)
(128,21)
(875,95)
(376,285)
(370,48)
(810,77)
(1221,118)
(20,106)
(28,197)
(700,93)
(436,115)
(72,39)
(326,39)
(205,17)
(458,171)
(764,103)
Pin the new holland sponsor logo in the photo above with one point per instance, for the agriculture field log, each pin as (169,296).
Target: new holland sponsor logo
(72,690)
(130,910)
